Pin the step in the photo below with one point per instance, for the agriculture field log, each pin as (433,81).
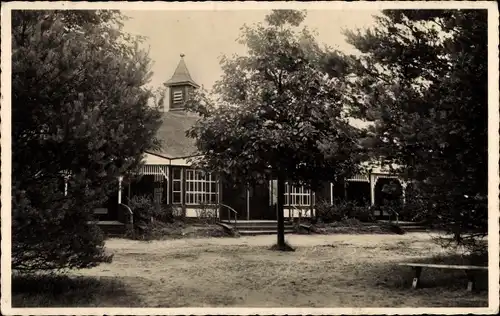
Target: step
(112,228)
(268,223)
(261,228)
(415,229)
(263,232)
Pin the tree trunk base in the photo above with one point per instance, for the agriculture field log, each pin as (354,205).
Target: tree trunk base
(285,247)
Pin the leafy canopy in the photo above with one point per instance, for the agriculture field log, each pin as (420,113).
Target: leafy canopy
(275,112)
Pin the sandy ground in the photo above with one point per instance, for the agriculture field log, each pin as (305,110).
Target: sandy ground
(324,271)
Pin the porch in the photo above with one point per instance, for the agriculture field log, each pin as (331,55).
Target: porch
(197,194)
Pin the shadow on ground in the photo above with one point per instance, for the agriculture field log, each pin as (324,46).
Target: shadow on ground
(442,287)
(66,291)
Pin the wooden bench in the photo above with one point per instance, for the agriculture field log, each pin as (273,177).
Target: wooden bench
(417,267)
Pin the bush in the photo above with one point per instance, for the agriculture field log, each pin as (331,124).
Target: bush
(207,214)
(362,213)
(341,210)
(327,213)
(338,211)
(54,233)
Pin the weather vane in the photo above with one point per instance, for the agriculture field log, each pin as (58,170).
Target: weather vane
(182,55)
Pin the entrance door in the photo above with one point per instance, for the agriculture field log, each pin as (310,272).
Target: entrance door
(259,203)
(234,196)
(253,205)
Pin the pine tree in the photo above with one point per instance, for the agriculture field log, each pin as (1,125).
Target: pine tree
(422,78)
(80,108)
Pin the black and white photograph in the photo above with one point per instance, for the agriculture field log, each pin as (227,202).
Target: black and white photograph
(250,158)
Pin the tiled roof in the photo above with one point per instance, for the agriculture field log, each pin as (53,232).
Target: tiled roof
(172,133)
(181,75)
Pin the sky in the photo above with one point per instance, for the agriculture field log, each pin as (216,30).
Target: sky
(203,36)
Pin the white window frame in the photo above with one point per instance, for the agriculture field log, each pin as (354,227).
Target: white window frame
(299,196)
(174,181)
(199,187)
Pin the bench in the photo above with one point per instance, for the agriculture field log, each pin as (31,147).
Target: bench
(417,267)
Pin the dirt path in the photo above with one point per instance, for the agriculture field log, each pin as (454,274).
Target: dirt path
(324,271)
(268,240)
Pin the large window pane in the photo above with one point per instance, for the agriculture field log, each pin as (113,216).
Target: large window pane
(200,187)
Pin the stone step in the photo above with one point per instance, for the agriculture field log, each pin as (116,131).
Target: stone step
(261,228)
(262,232)
(415,228)
(112,228)
(244,223)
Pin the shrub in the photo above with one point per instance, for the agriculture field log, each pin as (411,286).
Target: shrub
(336,212)
(54,233)
(362,213)
(143,208)
(327,213)
(207,214)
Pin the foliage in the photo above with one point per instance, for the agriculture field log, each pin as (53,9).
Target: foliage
(341,210)
(422,77)
(144,211)
(275,113)
(207,213)
(147,213)
(80,109)
(328,213)
(362,213)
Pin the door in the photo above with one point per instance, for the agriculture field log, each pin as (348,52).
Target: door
(234,196)
(259,203)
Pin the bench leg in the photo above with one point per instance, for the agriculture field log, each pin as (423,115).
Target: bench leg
(470,283)
(416,279)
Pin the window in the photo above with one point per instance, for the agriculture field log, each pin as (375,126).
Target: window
(177,97)
(297,196)
(176,186)
(201,188)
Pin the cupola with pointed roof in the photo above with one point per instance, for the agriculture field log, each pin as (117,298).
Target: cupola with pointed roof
(180,85)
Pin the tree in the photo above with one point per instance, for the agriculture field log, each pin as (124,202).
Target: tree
(276,114)
(423,78)
(79,109)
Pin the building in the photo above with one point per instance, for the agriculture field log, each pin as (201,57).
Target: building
(168,176)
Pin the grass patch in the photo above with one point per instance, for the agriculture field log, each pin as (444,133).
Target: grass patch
(354,226)
(178,230)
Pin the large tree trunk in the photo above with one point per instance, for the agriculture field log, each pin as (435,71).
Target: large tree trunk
(281,215)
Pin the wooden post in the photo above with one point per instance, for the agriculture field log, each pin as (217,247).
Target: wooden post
(65,186)
(289,187)
(311,203)
(248,203)
(170,185)
(183,190)
(331,193)
(403,193)
(470,279)
(129,190)
(416,279)
(372,189)
(120,179)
